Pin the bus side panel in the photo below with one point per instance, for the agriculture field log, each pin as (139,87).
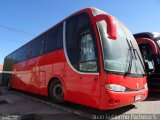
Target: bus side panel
(18,76)
(51,66)
(33,75)
(82,88)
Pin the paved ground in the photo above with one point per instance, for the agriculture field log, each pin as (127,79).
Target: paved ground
(150,106)
(31,107)
(17,106)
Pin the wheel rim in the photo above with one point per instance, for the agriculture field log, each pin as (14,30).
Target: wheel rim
(58,91)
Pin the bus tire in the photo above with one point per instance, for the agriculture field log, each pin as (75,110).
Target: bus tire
(9,83)
(56,92)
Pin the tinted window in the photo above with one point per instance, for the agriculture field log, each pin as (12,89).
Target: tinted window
(146,51)
(54,39)
(22,53)
(77,44)
(47,42)
(88,58)
(7,64)
(36,47)
(18,55)
(13,57)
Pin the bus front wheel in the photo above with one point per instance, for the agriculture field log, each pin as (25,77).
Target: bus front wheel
(56,91)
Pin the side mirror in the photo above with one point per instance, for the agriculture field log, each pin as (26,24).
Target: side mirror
(111,25)
(149,66)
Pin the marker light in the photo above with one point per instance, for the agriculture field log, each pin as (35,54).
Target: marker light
(146,86)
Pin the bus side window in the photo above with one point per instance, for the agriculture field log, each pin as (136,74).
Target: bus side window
(87,55)
(42,47)
(53,39)
(147,54)
(28,55)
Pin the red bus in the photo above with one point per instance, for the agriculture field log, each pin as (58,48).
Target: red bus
(89,58)
(149,44)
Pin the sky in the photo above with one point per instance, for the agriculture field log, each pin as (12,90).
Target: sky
(22,20)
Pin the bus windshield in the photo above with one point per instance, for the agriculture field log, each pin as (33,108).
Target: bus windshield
(117,55)
(158,42)
(156,34)
(157,37)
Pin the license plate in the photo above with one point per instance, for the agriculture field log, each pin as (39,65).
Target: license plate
(138,97)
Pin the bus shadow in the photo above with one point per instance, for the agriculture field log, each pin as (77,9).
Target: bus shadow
(87,110)
(92,111)
(153,96)
(3,90)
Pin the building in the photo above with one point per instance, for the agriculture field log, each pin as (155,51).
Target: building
(1,69)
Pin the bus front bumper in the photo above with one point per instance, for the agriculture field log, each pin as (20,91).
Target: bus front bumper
(111,100)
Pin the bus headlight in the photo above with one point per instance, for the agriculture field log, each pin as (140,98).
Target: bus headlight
(146,86)
(115,87)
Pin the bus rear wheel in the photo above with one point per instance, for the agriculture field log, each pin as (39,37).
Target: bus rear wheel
(56,92)
(9,82)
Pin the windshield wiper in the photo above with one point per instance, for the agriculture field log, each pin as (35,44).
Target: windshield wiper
(136,52)
(133,52)
(130,59)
